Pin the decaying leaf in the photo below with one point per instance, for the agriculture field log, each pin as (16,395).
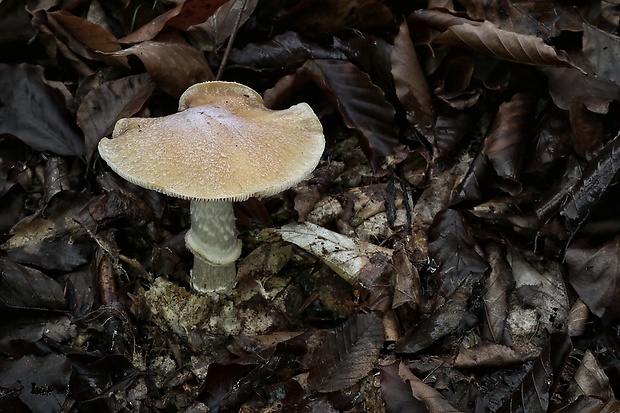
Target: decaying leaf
(432,399)
(535,391)
(27,288)
(593,271)
(347,354)
(36,113)
(104,105)
(590,379)
(346,256)
(453,247)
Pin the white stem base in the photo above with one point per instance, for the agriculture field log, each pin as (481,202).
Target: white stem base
(212,239)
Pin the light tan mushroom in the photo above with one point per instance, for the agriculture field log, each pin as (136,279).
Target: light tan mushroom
(222,146)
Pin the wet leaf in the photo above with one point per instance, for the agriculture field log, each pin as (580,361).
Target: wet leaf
(490,40)
(534,393)
(347,354)
(453,247)
(173,66)
(26,288)
(593,273)
(43,382)
(590,379)
(36,113)
(104,105)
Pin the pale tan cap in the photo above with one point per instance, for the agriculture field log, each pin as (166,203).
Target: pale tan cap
(222,145)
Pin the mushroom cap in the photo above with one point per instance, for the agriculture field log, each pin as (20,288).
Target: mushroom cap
(224,144)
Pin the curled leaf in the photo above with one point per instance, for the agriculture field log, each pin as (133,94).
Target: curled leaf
(490,40)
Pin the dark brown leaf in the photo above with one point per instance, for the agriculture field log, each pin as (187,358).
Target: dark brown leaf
(181,17)
(440,19)
(54,238)
(534,393)
(497,286)
(603,51)
(431,398)
(328,16)
(490,40)
(173,66)
(599,175)
(347,354)
(568,85)
(282,51)
(211,34)
(453,247)
(14,22)
(443,321)
(104,105)
(36,113)
(542,19)
(411,86)
(396,393)
(594,271)
(506,141)
(43,382)
(28,289)
(362,105)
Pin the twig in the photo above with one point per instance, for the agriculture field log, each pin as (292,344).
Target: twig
(231,40)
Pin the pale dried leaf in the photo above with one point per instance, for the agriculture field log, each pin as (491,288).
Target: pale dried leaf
(346,256)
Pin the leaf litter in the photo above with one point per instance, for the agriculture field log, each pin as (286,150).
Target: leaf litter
(455,250)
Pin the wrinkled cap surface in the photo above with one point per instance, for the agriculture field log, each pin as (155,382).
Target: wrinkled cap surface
(222,145)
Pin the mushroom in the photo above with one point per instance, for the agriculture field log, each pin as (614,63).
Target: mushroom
(222,146)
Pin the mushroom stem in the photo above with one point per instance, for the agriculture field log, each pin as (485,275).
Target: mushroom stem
(212,239)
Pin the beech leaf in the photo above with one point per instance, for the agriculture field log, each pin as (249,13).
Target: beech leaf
(534,393)
(490,40)
(36,113)
(347,354)
(453,247)
(411,86)
(173,66)
(104,105)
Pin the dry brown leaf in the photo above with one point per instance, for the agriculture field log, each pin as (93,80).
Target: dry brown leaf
(491,40)
(432,399)
(173,66)
(411,86)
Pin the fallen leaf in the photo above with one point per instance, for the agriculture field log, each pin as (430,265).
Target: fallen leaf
(36,113)
(345,256)
(432,399)
(490,40)
(347,354)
